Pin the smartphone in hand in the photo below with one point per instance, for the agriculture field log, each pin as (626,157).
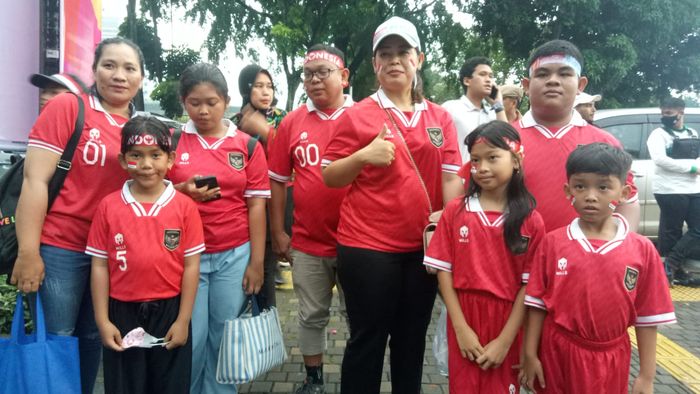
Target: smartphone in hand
(209,181)
(494,92)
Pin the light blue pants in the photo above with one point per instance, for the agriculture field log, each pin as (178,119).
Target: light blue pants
(220,296)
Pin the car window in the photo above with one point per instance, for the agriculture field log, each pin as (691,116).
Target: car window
(630,136)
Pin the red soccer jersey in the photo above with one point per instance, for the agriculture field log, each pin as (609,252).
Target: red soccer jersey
(469,243)
(95,170)
(145,244)
(545,163)
(226,219)
(386,208)
(597,292)
(297,146)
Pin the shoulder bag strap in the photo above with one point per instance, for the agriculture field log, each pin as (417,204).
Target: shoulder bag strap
(175,140)
(252,142)
(410,157)
(64,163)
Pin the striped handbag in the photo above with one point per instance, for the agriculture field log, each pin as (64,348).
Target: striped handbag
(251,345)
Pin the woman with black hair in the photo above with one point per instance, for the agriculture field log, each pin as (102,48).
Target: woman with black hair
(482,248)
(51,257)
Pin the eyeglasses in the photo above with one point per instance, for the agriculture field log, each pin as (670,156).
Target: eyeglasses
(321,74)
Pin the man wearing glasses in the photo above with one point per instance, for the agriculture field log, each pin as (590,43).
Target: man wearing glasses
(296,148)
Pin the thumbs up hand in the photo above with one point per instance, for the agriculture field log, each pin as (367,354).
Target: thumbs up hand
(379,152)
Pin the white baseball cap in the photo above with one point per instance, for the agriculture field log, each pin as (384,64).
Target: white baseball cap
(396,26)
(585,98)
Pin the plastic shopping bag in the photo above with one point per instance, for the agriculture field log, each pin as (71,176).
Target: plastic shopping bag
(440,342)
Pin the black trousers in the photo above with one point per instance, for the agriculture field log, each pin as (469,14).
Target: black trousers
(388,296)
(675,210)
(686,247)
(147,371)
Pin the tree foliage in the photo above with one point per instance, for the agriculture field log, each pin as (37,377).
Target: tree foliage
(636,51)
(288,27)
(167,92)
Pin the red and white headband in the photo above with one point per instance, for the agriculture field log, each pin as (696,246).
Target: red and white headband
(324,55)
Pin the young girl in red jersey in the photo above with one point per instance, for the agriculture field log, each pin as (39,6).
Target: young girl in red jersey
(233,214)
(145,242)
(481,247)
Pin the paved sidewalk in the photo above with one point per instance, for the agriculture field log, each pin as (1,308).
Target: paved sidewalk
(286,378)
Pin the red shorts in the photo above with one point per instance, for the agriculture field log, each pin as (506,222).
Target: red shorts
(486,315)
(574,365)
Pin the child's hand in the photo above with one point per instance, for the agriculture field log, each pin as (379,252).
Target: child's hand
(643,385)
(532,369)
(253,279)
(111,337)
(494,354)
(177,334)
(469,344)
(200,194)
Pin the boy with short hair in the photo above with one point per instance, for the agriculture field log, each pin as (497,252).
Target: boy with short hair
(589,282)
(552,129)
(146,241)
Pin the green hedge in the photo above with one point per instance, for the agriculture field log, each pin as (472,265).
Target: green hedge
(8,296)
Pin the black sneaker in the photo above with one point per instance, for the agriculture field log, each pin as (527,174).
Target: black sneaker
(308,388)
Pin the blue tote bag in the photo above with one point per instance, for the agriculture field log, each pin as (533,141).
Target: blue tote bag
(38,362)
(251,345)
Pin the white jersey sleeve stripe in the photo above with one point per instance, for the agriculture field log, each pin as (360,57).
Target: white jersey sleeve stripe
(525,277)
(44,145)
(437,264)
(277,177)
(535,302)
(257,193)
(450,168)
(196,250)
(656,320)
(325,162)
(95,252)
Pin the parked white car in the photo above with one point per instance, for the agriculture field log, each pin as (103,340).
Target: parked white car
(632,127)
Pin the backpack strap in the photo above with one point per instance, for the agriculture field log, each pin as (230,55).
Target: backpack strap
(64,163)
(177,133)
(252,142)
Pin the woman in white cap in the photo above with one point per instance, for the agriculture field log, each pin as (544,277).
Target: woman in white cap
(399,153)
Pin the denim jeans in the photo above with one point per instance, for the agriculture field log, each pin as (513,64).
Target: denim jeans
(220,296)
(67,302)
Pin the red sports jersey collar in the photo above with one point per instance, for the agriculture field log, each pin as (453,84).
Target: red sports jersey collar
(231,131)
(574,232)
(384,103)
(472,204)
(163,200)
(346,104)
(528,120)
(97,106)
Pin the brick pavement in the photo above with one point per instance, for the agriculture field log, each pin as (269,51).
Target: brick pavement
(284,379)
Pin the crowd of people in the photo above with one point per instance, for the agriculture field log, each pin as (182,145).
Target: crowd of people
(168,231)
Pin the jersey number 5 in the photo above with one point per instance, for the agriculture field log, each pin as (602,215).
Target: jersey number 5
(121,258)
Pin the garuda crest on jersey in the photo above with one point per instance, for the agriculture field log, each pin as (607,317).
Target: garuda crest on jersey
(436,137)
(631,276)
(171,239)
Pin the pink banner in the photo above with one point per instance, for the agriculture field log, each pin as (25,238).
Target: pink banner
(80,34)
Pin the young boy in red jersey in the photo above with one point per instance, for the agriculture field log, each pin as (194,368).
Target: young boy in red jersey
(589,282)
(145,241)
(552,129)
(295,149)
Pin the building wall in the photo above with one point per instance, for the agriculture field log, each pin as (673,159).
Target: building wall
(19,45)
